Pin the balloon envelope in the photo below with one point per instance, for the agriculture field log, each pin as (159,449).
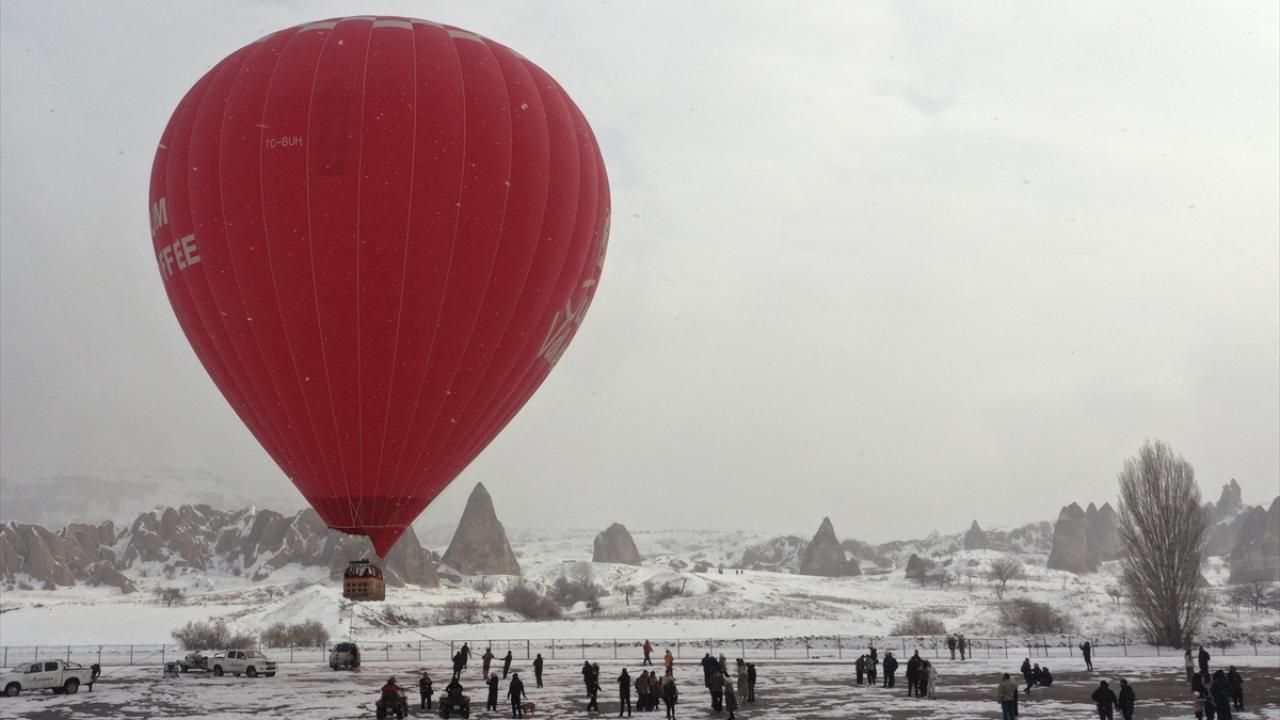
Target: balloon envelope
(379,235)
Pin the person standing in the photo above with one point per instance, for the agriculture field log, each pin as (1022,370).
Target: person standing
(951,645)
(624,693)
(670,695)
(1204,661)
(730,700)
(1105,700)
(642,691)
(424,689)
(931,679)
(872,661)
(751,682)
(1220,692)
(913,672)
(1027,674)
(922,679)
(708,667)
(1190,664)
(506,665)
(485,661)
(492,702)
(95,671)
(717,690)
(743,682)
(648,650)
(669,660)
(1007,696)
(516,692)
(465,652)
(457,665)
(860,667)
(586,676)
(963,644)
(1237,688)
(890,667)
(1126,700)
(537,670)
(1086,649)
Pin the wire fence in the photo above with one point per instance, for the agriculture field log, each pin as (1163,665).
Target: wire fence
(817,648)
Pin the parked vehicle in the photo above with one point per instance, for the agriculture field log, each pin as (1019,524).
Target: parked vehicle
(194,661)
(249,662)
(398,709)
(56,675)
(344,656)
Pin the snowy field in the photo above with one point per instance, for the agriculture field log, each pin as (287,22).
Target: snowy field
(785,691)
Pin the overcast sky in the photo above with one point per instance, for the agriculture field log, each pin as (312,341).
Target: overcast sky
(904,264)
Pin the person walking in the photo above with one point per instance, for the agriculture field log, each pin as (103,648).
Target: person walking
(593,690)
(457,665)
(1237,688)
(963,644)
(890,667)
(751,682)
(1007,696)
(1027,675)
(1105,700)
(670,695)
(951,645)
(485,661)
(624,693)
(1126,700)
(537,670)
(424,689)
(1086,649)
(913,672)
(506,665)
(515,691)
(648,650)
(492,702)
(465,652)
(1220,692)
(730,701)
(1203,658)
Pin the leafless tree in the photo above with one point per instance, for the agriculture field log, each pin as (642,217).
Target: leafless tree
(1251,594)
(1003,570)
(1164,533)
(626,591)
(483,585)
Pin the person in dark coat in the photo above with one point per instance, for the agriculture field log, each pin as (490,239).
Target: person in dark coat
(593,690)
(537,670)
(485,661)
(1126,700)
(516,692)
(963,644)
(95,672)
(922,679)
(730,700)
(1105,700)
(465,652)
(951,645)
(670,695)
(1220,691)
(751,682)
(860,667)
(624,693)
(506,665)
(587,680)
(457,665)
(492,682)
(642,691)
(648,650)
(913,672)
(708,666)
(717,690)
(890,667)
(1036,674)
(1086,649)
(1046,677)
(1203,659)
(424,689)
(1237,688)
(1026,674)
(872,661)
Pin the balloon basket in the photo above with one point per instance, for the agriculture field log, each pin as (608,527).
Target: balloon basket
(363,581)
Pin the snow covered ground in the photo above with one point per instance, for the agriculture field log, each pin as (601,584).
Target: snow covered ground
(786,691)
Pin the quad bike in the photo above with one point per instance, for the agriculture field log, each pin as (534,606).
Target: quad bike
(399,708)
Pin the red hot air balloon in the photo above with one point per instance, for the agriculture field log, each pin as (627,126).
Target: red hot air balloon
(379,235)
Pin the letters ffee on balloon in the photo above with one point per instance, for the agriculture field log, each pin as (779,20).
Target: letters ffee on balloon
(379,235)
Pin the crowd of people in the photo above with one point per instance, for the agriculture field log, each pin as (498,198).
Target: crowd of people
(1214,695)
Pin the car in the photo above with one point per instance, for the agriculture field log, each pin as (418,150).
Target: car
(344,655)
(251,663)
(56,675)
(194,661)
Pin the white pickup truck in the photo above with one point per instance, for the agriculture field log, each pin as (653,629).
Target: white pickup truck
(55,675)
(249,662)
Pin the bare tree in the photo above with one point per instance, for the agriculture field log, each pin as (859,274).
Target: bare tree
(483,585)
(626,591)
(1003,570)
(1251,594)
(1164,533)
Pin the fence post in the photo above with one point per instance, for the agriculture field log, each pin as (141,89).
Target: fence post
(839,648)
(419,651)
(743,645)
(677,647)
(386,650)
(162,655)
(936,650)
(37,655)
(451,652)
(806,648)
(527,646)
(615,648)
(1255,646)
(6,656)
(584,648)
(1006,648)
(553,648)
(131,655)
(1071,644)
(904,647)
(1125,644)
(290,653)
(775,648)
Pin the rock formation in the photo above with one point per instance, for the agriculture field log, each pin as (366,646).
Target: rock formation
(918,568)
(251,543)
(1230,503)
(976,539)
(1083,539)
(1256,555)
(823,555)
(779,554)
(615,545)
(1225,520)
(479,545)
